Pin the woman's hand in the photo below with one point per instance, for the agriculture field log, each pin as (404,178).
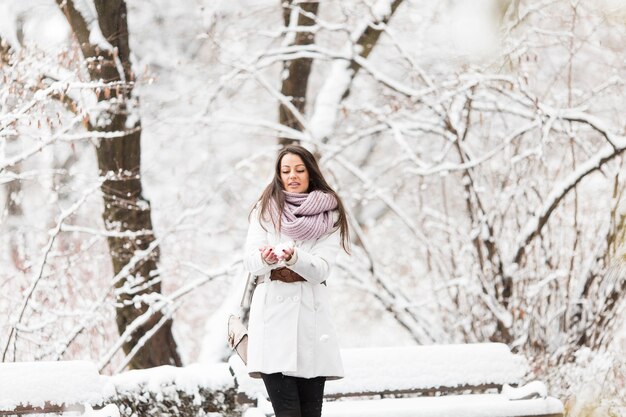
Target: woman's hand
(288,253)
(268,255)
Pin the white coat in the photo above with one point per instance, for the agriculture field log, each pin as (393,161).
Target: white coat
(290,330)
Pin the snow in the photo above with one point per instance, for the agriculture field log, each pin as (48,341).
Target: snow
(97,38)
(78,382)
(326,105)
(214,348)
(87,10)
(481,405)
(278,249)
(615,8)
(381,10)
(251,387)
(8,30)
(599,378)
(253,412)
(413,368)
(423,367)
(64,382)
(110,410)
(371,370)
(474,27)
(187,379)
(533,389)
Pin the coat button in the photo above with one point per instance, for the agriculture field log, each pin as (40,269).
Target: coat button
(295,298)
(279,298)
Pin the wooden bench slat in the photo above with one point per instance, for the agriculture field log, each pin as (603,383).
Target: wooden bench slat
(47,408)
(426,392)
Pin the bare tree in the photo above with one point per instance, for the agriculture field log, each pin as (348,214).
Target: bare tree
(104,42)
(298,18)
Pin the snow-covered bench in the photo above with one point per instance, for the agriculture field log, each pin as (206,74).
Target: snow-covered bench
(53,387)
(472,380)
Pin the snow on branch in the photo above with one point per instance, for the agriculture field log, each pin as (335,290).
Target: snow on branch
(84,22)
(328,100)
(445,167)
(157,303)
(616,141)
(283,100)
(342,73)
(87,9)
(534,226)
(376,192)
(106,233)
(39,272)
(390,297)
(64,137)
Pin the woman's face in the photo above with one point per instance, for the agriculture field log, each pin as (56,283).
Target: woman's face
(294,174)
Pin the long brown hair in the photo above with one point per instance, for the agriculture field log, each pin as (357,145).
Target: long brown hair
(274,191)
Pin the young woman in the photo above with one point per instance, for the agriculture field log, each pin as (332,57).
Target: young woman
(297,228)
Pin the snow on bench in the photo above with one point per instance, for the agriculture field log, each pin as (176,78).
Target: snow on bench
(188,379)
(196,389)
(74,386)
(414,369)
(53,387)
(425,370)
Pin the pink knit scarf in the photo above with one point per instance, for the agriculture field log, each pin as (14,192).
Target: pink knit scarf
(307,215)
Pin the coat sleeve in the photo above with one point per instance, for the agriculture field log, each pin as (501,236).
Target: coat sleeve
(314,265)
(257,236)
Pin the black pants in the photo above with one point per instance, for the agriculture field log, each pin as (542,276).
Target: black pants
(295,397)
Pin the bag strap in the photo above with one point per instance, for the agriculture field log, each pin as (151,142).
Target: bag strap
(248,291)
(245,290)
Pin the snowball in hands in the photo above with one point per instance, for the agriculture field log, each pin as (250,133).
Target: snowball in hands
(278,249)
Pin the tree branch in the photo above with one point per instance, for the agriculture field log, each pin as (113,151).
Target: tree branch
(538,221)
(337,85)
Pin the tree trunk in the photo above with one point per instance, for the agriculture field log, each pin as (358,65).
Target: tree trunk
(296,72)
(119,159)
